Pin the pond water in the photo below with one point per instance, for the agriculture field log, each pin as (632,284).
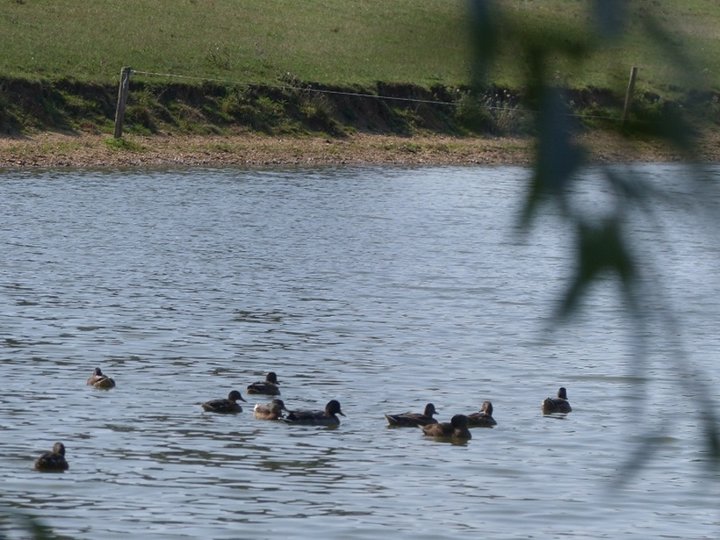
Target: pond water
(382,288)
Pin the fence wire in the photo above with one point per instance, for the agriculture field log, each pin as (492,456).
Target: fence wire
(366,95)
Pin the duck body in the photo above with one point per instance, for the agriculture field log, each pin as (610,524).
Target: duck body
(53,461)
(317,418)
(410,419)
(559,404)
(270,411)
(99,380)
(268,387)
(229,405)
(482,418)
(456,429)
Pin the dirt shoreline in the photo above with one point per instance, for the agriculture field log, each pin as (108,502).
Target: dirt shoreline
(92,151)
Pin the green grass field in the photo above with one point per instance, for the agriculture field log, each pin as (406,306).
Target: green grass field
(333,42)
(255,41)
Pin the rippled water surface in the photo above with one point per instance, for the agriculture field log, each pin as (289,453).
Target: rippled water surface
(384,289)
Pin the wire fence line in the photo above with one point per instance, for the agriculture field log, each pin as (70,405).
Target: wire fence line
(367,95)
(307,89)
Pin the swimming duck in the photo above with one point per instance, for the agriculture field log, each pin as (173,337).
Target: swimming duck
(98,380)
(483,418)
(317,418)
(269,386)
(228,405)
(410,419)
(559,404)
(456,429)
(54,460)
(270,411)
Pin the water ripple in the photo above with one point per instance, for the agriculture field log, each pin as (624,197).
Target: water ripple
(384,289)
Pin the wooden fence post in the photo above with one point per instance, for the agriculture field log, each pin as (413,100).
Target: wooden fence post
(629,94)
(122,100)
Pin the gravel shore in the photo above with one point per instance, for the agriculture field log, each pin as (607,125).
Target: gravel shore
(92,151)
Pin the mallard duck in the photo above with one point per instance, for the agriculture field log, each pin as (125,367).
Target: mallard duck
(228,405)
(98,380)
(269,386)
(482,418)
(559,404)
(410,419)
(456,429)
(270,411)
(317,418)
(54,460)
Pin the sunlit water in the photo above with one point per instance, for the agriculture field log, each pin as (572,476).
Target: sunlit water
(384,289)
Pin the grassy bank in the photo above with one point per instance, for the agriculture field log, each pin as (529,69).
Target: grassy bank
(290,68)
(242,41)
(333,42)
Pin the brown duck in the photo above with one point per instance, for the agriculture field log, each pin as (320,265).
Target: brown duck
(559,404)
(269,386)
(455,429)
(229,405)
(482,418)
(411,419)
(100,380)
(53,461)
(317,418)
(269,411)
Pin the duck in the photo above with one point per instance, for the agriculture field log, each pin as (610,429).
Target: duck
(269,386)
(455,429)
(410,419)
(317,418)
(53,460)
(559,404)
(100,380)
(482,418)
(270,411)
(229,405)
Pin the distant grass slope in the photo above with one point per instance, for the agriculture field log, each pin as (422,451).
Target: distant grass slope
(255,41)
(332,42)
(692,27)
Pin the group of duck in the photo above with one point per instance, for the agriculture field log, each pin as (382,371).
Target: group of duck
(457,429)
(274,410)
